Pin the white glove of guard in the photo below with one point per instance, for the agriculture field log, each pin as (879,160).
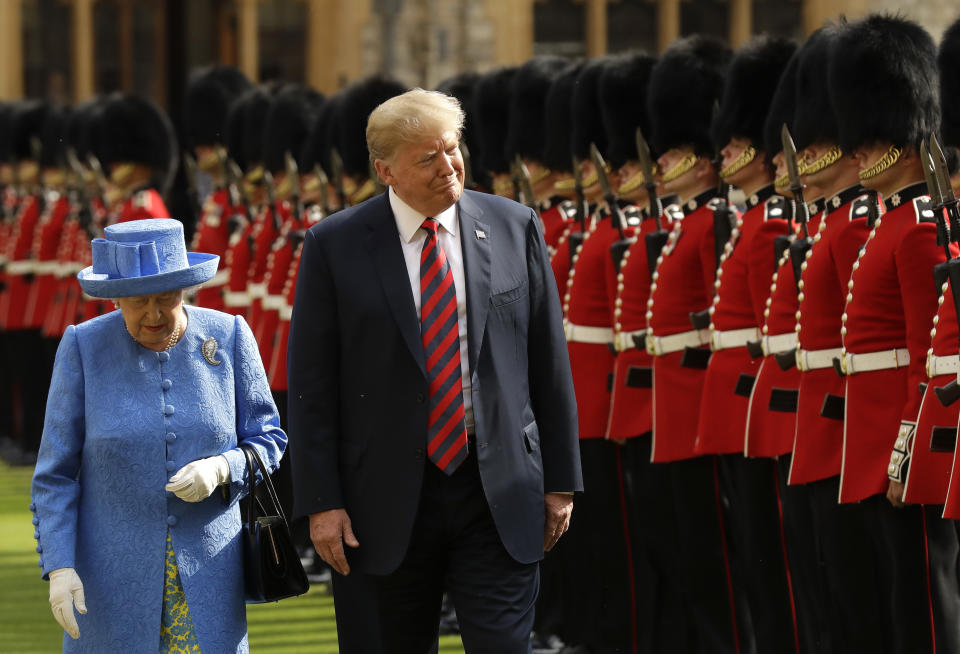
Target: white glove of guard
(66,591)
(196,480)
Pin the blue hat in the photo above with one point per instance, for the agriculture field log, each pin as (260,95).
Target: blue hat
(142,257)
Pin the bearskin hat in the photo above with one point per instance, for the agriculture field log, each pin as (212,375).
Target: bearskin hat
(559,119)
(587,117)
(131,129)
(883,82)
(244,134)
(782,107)
(78,130)
(751,82)
(53,137)
(623,104)
(684,85)
(359,101)
(289,118)
(316,148)
(813,117)
(27,125)
(492,104)
(461,87)
(6,129)
(209,94)
(948,60)
(528,96)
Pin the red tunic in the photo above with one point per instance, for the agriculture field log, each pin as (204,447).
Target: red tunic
(19,267)
(143,204)
(266,229)
(46,242)
(891,303)
(556,216)
(236,300)
(560,259)
(213,237)
(732,371)
(683,284)
(631,402)
(275,278)
(818,443)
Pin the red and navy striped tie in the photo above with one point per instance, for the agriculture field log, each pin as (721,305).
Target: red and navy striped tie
(446,432)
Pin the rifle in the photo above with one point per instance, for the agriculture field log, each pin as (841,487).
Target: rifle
(724,218)
(85,209)
(583,211)
(190,170)
(800,247)
(616,214)
(654,241)
(323,181)
(940,272)
(336,169)
(293,177)
(522,178)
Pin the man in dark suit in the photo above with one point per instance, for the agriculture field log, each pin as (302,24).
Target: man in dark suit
(440,444)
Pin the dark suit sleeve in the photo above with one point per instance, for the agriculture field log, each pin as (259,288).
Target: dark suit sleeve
(551,385)
(313,371)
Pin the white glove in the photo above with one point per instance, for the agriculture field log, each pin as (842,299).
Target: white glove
(66,591)
(196,480)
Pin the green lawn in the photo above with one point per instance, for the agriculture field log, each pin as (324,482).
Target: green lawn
(303,625)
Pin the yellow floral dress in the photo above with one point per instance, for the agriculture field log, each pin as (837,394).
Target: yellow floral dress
(176,628)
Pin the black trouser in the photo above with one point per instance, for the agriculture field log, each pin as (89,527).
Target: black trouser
(31,368)
(455,547)
(663,620)
(807,576)
(759,556)
(720,618)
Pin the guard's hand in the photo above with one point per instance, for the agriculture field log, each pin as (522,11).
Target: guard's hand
(895,493)
(196,480)
(66,591)
(559,508)
(329,530)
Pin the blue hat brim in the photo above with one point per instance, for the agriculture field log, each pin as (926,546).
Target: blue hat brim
(202,267)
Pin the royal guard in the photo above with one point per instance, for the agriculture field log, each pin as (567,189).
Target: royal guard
(889,64)
(684,85)
(750,484)
(661,610)
(137,149)
(210,92)
(461,86)
(245,150)
(22,339)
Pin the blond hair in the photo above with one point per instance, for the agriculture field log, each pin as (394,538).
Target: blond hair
(411,117)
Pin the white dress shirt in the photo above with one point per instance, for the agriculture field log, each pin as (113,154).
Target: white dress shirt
(412,238)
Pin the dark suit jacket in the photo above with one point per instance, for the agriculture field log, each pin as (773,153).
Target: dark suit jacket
(358,389)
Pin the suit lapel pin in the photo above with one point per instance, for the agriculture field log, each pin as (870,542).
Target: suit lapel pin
(209,351)
(480,233)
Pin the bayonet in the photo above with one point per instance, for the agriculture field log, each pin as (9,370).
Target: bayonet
(522,175)
(611,198)
(323,181)
(293,177)
(933,186)
(336,169)
(802,214)
(947,199)
(649,183)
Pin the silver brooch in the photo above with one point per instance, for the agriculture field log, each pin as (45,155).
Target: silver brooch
(209,351)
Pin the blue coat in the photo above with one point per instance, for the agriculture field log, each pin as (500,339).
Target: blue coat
(121,419)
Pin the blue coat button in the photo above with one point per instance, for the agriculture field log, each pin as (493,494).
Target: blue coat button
(36,534)
(36,520)
(166,384)
(40,563)
(168,410)
(170,437)
(171,466)
(39,550)
(171,520)
(33,507)
(164,357)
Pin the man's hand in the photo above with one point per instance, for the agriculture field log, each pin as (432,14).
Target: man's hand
(895,493)
(559,508)
(329,530)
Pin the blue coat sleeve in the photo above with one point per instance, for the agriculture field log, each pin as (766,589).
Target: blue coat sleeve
(56,488)
(258,423)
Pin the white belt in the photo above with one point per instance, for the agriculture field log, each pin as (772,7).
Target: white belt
(725,340)
(46,267)
(583,334)
(948,365)
(273,302)
(869,361)
(221,278)
(257,290)
(286,312)
(660,345)
(20,267)
(779,343)
(624,341)
(236,299)
(817,359)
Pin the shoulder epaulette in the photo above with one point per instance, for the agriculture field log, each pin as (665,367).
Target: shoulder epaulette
(141,199)
(924,209)
(775,207)
(674,212)
(860,207)
(633,215)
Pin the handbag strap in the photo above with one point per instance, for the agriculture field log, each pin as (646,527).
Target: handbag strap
(253,462)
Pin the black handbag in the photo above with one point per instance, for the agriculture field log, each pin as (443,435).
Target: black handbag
(271,565)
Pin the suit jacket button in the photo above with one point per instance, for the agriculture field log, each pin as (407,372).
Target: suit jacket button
(418,454)
(420,398)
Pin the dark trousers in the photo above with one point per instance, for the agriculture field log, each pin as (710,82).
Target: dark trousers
(455,548)
(31,365)
(662,617)
(750,486)
(807,575)
(703,558)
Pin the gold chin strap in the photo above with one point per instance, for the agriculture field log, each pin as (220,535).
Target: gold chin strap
(887,160)
(544,173)
(310,183)
(27,171)
(503,187)
(368,190)
(565,185)
(830,157)
(120,175)
(113,196)
(749,154)
(591,179)
(53,178)
(636,181)
(209,161)
(683,166)
(782,182)
(284,187)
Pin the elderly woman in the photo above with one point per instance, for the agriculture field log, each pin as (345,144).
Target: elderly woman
(136,486)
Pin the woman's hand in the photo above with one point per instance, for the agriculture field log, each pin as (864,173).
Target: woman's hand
(196,480)
(66,591)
